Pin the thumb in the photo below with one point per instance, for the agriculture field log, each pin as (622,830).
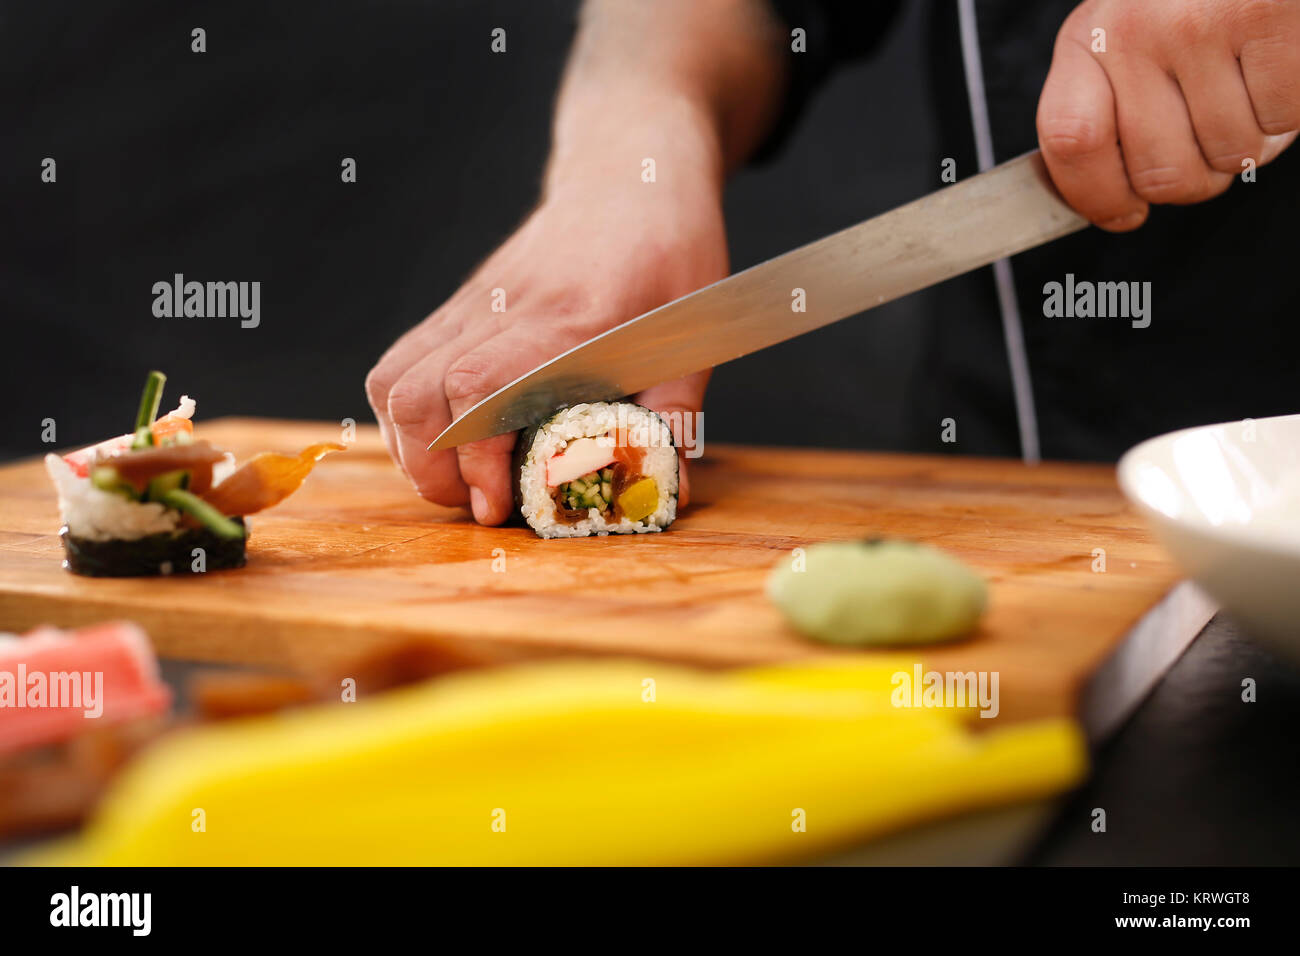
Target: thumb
(681,403)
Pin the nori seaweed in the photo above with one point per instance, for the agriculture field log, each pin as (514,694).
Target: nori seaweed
(524,445)
(146,557)
(519,458)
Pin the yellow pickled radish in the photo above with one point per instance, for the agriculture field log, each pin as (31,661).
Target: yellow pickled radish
(640,499)
(566,762)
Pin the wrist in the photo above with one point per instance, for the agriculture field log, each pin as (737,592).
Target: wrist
(610,137)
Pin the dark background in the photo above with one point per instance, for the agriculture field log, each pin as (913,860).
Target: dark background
(225,166)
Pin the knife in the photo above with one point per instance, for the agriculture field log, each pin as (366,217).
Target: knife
(997,213)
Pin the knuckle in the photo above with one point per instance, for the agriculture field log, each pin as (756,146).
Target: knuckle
(1124,220)
(378,384)
(1130,23)
(570,301)
(1164,184)
(466,378)
(566,330)
(1260,17)
(1217,183)
(1227,158)
(484,462)
(1069,137)
(440,492)
(1272,69)
(568,317)
(572,315)
(1279,125)
(1283,112)
(1189,26)
(1230,161)
(407,403)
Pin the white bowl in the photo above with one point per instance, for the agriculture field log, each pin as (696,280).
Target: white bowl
(1225,501)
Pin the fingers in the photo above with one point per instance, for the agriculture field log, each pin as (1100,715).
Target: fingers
(476,374)
(378,383)
(676,400)
(1268,47)
(414,345)
(1220,108)
(485,466)
(1161,153)
(417,411)
(1169,114)
(1079,140)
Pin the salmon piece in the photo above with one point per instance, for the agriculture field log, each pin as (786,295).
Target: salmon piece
(139,467)
(170,425)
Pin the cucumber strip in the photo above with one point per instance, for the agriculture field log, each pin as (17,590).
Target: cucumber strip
(204,513)
(164,483)
(106,478)
(153,387)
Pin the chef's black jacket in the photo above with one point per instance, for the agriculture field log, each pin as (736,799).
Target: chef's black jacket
(1224,338)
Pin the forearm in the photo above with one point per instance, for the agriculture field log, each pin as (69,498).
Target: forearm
(683,82)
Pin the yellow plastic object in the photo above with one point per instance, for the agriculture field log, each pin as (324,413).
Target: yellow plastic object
(604,762)
(640,499)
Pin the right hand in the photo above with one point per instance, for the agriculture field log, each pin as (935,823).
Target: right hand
(598,251)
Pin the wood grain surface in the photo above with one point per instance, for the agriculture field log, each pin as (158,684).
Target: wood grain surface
(355,561)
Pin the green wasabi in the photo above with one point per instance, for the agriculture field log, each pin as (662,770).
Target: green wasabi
(866,593)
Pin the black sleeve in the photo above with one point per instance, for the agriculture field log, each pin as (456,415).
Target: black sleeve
(835,31)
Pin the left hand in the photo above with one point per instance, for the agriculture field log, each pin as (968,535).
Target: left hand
(1184,92)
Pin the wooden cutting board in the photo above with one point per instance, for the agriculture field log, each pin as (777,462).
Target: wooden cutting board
(355,560)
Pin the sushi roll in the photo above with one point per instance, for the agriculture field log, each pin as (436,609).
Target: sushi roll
(599,468)
(157,501)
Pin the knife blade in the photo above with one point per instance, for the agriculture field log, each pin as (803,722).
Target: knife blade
(997,213)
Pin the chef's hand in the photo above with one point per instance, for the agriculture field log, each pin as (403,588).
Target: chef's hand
(1184,91)
(658,101)
(579,265)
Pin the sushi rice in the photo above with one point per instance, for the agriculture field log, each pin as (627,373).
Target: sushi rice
(545,444)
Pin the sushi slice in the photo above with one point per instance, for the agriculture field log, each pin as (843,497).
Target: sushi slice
(599,468)
(158,501)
